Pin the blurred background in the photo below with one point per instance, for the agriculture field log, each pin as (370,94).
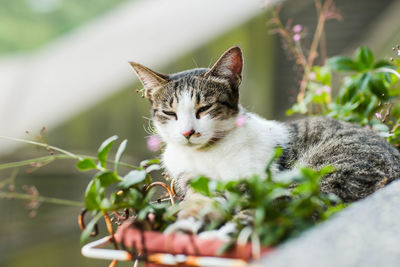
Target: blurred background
(64,66)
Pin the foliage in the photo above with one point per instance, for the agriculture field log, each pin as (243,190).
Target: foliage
(369,94)
(130,191)
(281,205)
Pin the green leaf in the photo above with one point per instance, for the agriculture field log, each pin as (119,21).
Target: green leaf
(333,210)
(86,164)
(364,58)
(106,204)
(104,149)
(89,228)
(341,63)
(92,195)
(363,81)
(200,185)
(326,170)
(132,178)
(107,178)
(148,162)
(277,154)
(371,107)
(153,167)
(378,86)
(383,64)
(120,150)
(323,75)
(289,112)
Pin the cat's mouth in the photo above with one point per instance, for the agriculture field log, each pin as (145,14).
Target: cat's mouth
(204,146)
(192,144)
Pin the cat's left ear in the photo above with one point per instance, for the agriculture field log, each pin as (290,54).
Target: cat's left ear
(150,79)
(229,66)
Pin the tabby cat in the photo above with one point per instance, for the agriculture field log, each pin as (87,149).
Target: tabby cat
(206,131)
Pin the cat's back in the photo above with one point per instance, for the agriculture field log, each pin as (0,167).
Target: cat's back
(363,160)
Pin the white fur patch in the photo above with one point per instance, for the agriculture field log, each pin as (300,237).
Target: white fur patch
(242,153)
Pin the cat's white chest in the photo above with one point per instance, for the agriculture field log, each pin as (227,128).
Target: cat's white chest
(242,153)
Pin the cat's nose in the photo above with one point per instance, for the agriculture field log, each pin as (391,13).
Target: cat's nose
(188,134)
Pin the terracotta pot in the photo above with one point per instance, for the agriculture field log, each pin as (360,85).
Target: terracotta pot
(150,242)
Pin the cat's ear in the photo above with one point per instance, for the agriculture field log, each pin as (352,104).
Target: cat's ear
(229,66)
(150,79)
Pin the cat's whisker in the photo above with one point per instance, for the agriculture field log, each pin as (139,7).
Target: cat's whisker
(194,62)
(149,129)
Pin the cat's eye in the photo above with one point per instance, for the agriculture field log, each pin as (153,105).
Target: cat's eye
(170,113)
(201,110)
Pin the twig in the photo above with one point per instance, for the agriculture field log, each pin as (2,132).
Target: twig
(171,196)
(41,199)
(313,50)
(81,223)
(112,238)
(34,160)
(388,70)
(322,46)
(72,155)
(65,155)
(283,32)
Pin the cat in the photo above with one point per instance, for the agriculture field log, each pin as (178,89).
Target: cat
(207,132)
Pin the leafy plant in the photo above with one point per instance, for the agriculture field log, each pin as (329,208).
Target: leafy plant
(278,206)
(108,193)
(369,94)
(281,205)
(131,191)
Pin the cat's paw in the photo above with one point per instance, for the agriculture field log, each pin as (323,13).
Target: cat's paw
(224,233)
(188,226)
(199,207)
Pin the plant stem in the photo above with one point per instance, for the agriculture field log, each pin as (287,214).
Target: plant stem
(71,155)
(383,69)
(65,155)
(41,199)
(322,46)
(314,47)
(10,180)
(289,40)
(112,238)
(34,160)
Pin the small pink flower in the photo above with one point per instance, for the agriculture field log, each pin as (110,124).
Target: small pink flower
(241,120)
(312,76)
(153,143)
(296,37)
(318,91)
(378,115)
(326,89)
(297,28)
(398,52)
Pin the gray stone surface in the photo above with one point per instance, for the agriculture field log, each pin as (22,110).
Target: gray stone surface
(367,233)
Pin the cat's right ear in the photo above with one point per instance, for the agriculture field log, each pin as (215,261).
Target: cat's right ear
(150,79)
(228,66)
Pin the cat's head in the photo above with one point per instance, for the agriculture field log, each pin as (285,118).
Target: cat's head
(195,107)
